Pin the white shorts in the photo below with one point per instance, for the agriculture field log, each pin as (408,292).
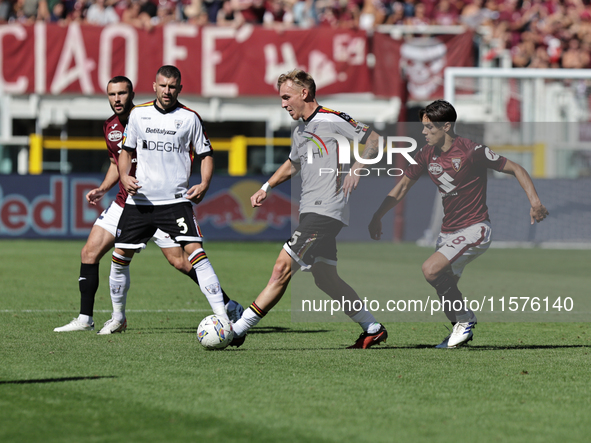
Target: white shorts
(109,219)
(463,246)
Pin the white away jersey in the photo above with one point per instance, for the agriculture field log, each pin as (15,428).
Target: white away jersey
(322,181)
(166,143)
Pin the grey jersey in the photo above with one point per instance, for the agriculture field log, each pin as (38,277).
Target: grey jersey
(322,179)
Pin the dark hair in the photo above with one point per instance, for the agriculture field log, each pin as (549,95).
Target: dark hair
(439,112)
(121,79)
(169,71)
(300,78)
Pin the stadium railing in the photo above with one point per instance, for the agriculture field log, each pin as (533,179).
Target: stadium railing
(237,148)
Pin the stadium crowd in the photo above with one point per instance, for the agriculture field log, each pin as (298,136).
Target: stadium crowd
(538,33)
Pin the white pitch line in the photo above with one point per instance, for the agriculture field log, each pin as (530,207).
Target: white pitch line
(104,311)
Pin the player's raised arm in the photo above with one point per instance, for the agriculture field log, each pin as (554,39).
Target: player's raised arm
(392,199)
(282,174)
(197,193)
(538,211)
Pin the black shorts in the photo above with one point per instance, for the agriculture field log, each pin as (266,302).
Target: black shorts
(138,223)
(314,240)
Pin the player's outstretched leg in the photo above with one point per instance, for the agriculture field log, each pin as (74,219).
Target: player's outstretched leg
(234,309)
(119,283)
(269,297)
(178,258)
(249,319)
(328,280)
(208,282)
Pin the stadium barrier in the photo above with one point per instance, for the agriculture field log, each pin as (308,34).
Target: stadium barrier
(237,148)
(54,206)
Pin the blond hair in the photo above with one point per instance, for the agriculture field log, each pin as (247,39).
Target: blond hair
(300,78)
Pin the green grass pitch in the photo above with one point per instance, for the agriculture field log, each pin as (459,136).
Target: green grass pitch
(290,382)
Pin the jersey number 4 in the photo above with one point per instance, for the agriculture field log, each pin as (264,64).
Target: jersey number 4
(445,181)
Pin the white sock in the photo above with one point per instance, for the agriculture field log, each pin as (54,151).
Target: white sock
(208,282)
(85,319)
(249,319)
(119,283)
(365,319)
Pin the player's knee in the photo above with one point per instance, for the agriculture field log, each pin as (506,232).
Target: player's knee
(90,255)
(431,271)
(181,264)
(281,272)
(325,281)
(322,283)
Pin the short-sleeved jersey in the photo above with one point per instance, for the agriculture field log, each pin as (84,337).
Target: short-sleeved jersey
(166,143)
(321,180)
(461,176)
(113,131)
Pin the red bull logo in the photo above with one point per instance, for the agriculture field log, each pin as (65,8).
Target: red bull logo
(232,208)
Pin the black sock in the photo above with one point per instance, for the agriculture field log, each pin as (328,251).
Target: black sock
(193,275)
(446,286)
(88,284)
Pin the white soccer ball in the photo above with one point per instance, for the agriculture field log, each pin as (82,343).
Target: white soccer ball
(215,332)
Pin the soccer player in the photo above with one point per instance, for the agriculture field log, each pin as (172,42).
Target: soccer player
(166,137)
(323,207)
(102,235)
(458,167)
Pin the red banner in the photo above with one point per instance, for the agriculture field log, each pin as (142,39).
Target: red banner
(413,69)
(214,61)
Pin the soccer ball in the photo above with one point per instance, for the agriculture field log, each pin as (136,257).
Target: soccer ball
(215,332)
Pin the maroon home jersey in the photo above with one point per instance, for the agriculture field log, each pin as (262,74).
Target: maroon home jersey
(460,175)
(113,131)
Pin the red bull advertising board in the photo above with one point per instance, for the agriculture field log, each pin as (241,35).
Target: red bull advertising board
(54,206)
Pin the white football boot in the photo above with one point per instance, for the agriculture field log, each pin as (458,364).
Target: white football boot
(75,325)
(460,334)
(113,326)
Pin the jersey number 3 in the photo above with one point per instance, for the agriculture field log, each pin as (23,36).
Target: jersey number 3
(182,225)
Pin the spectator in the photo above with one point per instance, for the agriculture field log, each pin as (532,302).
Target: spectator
(419,18)
(29,11)
(372,13)
(165,13)
(6,11)
(100,14)
(444,15)
(148,7)
(275,15)
(541,60)
(397,15)
(57,13)
(304,13)
(134,16)
(522,54)
(77,13)
(192,9)
(574,57)
(227,16)
(252,11)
